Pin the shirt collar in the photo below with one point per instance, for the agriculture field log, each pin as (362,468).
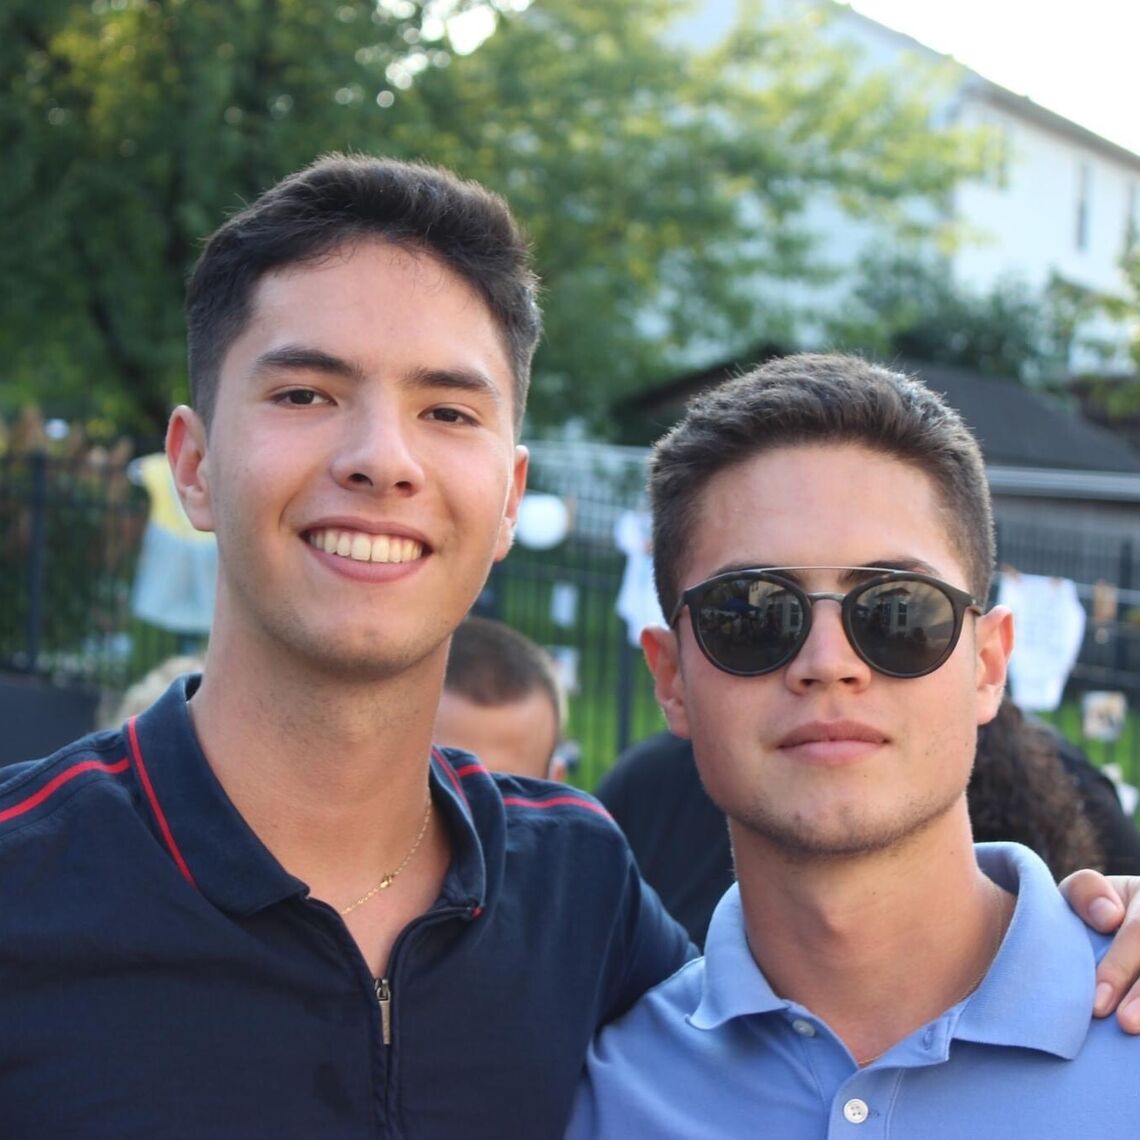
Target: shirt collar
(733,985)
(1038,993)
(216,850)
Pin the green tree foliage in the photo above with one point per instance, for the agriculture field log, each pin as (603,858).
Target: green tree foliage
(909,305)
(659,184)
(1111,398)
(1126,307)
(129,128)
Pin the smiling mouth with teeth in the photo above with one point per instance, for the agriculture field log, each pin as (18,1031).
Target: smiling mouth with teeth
(362,547)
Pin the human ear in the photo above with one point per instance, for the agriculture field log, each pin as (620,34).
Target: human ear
(662,656)
(993,641)
(510,517)
(186,452)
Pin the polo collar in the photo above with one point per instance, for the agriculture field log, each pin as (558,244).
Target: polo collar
(733,985)
(1037,995)
(213,847)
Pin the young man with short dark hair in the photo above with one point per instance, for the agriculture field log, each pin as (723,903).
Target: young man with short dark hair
(268,907)
(823,548)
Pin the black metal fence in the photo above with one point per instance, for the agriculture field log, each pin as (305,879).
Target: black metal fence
(71,532)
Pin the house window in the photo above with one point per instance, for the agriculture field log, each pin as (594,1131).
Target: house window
(1084,193)
(1131,222)
(1004,147)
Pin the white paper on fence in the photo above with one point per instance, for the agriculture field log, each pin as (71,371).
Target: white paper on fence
(176,575)
(637,603)
(564,604)
(1049,626)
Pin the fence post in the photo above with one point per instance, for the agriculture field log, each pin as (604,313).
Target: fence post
(625,697)
(1124,582)
(999,551)
(36,556)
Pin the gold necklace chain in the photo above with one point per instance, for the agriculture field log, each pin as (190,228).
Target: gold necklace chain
(390,877)
(996,895)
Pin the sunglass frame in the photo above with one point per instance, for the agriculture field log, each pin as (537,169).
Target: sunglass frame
(960,602)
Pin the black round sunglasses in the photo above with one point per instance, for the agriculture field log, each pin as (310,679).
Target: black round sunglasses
(751,622)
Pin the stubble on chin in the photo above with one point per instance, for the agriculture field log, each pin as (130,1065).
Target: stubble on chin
(852,832)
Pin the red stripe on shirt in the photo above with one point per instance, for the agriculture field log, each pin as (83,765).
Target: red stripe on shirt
(470,770)
(155,806)
(555,801)
(57,782)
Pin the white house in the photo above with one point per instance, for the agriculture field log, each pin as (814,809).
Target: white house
(1066,201)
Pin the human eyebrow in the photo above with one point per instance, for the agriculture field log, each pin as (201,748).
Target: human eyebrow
(907,565)
(849,575)
(472,381)
(301,358)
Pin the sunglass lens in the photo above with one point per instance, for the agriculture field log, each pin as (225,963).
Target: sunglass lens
(903,627)
(749,625)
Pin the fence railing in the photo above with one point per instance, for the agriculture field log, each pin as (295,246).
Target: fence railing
(70,536)
(70,532)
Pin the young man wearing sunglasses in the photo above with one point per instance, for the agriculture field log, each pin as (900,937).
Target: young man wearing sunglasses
(823,545)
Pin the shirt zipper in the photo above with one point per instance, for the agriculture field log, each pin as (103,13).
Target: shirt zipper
(383,987)
(384,1000)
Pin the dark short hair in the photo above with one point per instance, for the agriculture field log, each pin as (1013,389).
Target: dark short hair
(341,200)
(492,664)
(819,399)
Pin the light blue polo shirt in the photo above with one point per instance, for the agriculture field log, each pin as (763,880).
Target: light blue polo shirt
(713,1053)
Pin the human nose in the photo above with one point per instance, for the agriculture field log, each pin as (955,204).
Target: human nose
(827,657)
(377,450)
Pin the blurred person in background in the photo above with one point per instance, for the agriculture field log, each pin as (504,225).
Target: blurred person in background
(502,701)
(1033,786)
(678,835)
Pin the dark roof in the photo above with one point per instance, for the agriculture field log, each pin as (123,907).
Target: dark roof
(1016,426)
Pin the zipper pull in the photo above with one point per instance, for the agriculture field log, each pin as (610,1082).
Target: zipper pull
(384,1000)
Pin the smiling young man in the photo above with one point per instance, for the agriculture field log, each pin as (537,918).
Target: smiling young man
(268,907)
(823,543)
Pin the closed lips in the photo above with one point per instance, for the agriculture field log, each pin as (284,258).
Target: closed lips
(838,730)
(361,547)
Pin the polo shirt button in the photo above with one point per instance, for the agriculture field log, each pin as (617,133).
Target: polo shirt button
(855,1111)
(803,1028)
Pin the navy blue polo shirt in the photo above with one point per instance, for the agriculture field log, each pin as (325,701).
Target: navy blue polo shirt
(161,974)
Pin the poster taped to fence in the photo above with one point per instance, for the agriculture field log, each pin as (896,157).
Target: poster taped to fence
(1049,624)
(1103,714)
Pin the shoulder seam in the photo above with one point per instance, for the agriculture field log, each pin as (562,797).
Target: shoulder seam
(58,781)
(558,801)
